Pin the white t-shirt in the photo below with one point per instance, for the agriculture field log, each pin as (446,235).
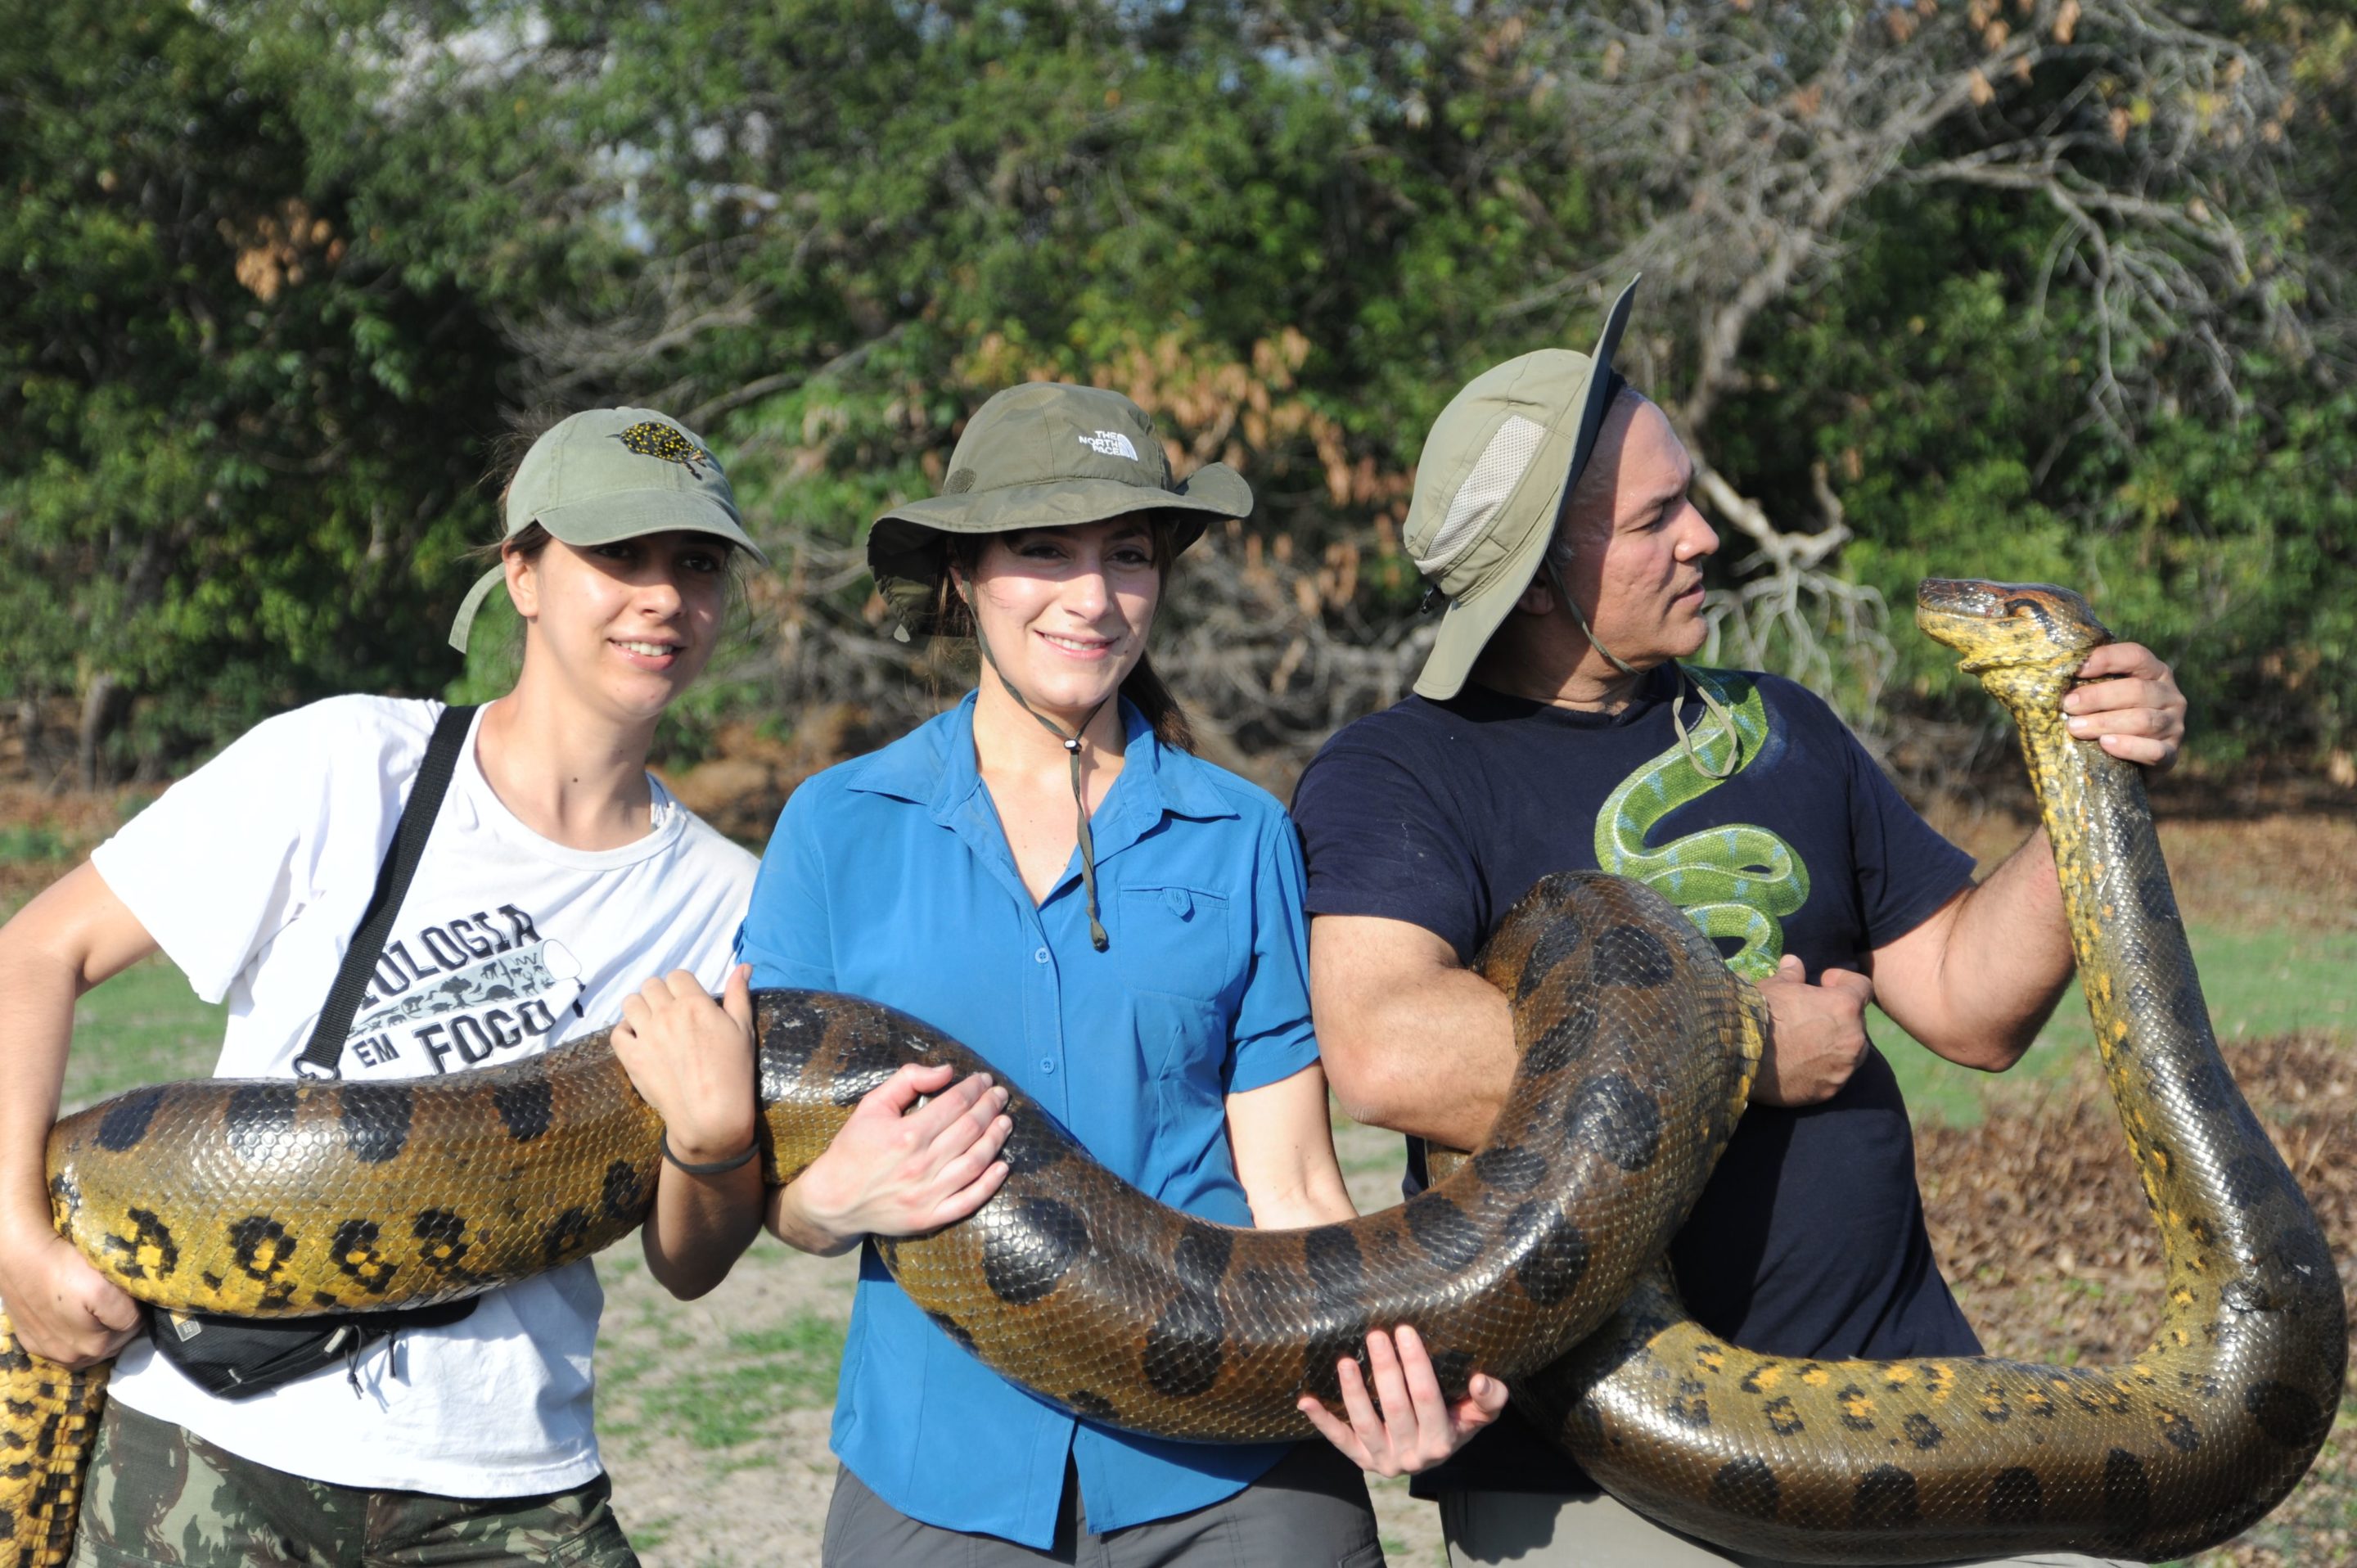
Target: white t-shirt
(251,873)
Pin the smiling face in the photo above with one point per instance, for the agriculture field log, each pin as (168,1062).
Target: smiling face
(623,627)
(1066,610)
(1637,543)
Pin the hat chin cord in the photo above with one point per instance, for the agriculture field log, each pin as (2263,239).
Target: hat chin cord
(1687,742)
(1071,744)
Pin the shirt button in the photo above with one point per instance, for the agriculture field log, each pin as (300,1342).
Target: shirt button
(1040,956)
(1047,1064)
(1179,901)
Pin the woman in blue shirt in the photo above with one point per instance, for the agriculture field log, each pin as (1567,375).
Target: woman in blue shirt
(1047,874)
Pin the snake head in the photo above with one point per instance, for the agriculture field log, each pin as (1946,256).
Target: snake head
(2025,641)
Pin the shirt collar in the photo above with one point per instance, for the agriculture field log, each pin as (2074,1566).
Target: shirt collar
(933,767)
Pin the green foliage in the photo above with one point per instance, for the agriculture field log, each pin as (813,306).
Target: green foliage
(826,231)
(242,448)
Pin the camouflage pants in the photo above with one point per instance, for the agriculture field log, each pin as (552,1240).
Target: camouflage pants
(159,1495)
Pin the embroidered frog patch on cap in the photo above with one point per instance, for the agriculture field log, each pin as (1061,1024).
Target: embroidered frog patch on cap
(650,439)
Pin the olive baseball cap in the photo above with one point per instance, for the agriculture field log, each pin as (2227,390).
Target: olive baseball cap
(607,473)
(1044,455)
(1495,471)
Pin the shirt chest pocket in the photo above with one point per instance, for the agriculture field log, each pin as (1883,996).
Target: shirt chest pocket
(1175,940)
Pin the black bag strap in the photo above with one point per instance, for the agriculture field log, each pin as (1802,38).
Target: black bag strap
(321,1057)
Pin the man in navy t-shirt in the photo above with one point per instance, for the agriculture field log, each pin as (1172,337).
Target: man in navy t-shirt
(1553,728)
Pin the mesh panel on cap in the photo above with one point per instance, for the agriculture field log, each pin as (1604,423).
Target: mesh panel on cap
(1475,506)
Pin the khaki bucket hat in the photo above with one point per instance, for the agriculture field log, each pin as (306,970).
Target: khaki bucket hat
(1491,482)
(607,473)
(1044,455)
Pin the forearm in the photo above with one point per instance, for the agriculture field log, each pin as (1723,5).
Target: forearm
(789,1221)
(37,992)
(700,1226)
(1432,1058)
(1282,1141)
(2005,963)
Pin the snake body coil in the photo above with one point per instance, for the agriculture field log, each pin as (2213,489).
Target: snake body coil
(1636,1047)
(1915,1461)
(292,1197)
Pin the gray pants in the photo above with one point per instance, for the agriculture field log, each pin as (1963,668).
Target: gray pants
(1532,1530)
(1310,1510)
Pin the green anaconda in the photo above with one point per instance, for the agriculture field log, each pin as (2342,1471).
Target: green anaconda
(1637,1045)
(1914,1461)
(1739,881)
(1638,1048)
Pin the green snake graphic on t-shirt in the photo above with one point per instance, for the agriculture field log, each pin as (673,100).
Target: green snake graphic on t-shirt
(1739,881)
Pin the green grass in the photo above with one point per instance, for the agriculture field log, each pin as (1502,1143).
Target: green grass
(2259,982)
(727,1397)
(142,1026)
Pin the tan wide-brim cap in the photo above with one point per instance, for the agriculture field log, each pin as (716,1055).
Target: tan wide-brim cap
(1491,484)
(609,474)
(1044,455)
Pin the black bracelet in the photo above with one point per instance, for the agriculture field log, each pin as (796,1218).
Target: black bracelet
(718,1167)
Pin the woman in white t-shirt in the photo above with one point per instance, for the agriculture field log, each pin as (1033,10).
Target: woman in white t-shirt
(559,875)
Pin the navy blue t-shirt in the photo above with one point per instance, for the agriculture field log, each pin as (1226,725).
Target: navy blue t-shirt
(1809,1239)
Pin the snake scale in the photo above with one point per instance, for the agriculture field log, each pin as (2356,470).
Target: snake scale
(1637,1045)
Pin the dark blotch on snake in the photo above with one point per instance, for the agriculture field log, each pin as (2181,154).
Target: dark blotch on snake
(1922,1431)
(870,1054)
(1745,1486)
(563,1236)
(260,1117)
(1091,1405)
(148,1232)
(2015,1497)
(1453,1370)
(126,1120)
(1441,1229)
(2250,1180)
(624,1197)
(1029,1247)
(445,1235)
(1567,1038)
(1186,1345)
(376,1121)
(1618,1119)
(954,1329)
(2185,1006)
(2205,1086)
(1634,956)
(355,1254)
(2128,1494)
(1331,1255)
(1557,940)
(1512,1168)
(1200,1256)
(1034,1143)
(260,1246)
(2287,1416)
(1339,1339)
(1552,1251)
(525,1107)
(1885,1500)
(794,1033)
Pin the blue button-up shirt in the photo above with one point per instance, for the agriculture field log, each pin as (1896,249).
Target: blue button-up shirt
(890,878)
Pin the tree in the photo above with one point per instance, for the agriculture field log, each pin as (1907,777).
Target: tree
(241,448)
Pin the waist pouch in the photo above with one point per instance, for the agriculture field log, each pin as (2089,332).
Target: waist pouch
(237,1358)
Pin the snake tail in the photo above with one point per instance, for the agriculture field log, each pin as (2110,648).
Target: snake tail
(1913,1461)
(51,1422)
